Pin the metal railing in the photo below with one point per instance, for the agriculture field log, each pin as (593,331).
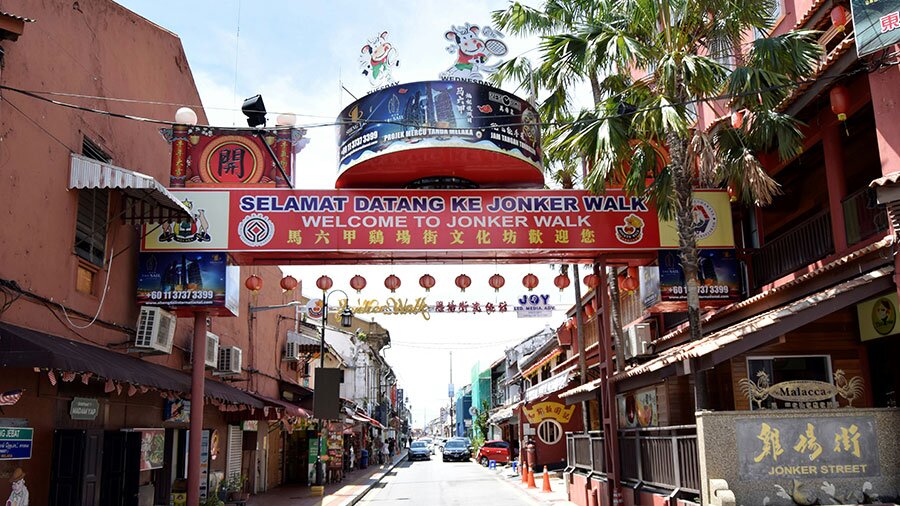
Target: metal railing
(863,216)
(661,456)
(585,451)
(804,244)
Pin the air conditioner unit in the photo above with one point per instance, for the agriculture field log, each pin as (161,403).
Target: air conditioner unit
(229,361)
(212,350)
(291,351)
(637,340)
(155,331)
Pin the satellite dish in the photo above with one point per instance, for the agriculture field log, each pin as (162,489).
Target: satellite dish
(473,411)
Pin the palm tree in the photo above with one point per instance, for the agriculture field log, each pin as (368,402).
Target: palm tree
(685,52)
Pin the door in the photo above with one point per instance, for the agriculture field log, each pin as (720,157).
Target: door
(67,467)
(121,468)
(93,466)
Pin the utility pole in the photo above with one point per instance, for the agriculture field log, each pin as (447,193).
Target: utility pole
(450,395)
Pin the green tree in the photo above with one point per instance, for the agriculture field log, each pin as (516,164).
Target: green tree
(650,63)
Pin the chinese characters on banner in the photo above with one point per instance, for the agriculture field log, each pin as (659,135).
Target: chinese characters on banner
(876,24)
(821,447)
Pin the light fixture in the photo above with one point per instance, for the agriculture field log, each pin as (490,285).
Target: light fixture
(255,110)
(185,116)
(286,119)
(346,317)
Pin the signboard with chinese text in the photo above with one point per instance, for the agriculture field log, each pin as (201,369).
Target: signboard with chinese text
(876,24)
(346,225)
(817,447)
(15,443)
(548,410)
(175,279)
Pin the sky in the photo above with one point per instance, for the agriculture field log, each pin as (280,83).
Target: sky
(297,54)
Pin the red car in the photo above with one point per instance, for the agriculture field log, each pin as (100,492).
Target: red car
(495,450)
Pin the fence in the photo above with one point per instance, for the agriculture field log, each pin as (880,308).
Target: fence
(661,456)
(800,246)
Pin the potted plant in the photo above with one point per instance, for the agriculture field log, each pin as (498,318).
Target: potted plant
(234,485)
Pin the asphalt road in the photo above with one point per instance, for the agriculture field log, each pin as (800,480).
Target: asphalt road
(436,483)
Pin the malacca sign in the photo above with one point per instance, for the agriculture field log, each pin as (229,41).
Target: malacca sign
(274,224)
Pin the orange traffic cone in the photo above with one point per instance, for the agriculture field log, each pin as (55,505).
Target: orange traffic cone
(523,470)
(546,486)
(531,483)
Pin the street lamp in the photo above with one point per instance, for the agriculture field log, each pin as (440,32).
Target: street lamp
(324,283)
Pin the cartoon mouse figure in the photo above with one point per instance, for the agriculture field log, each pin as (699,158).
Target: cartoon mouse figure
(378,59)
(472,51)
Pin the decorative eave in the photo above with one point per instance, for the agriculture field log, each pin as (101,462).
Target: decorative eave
(11,25)
(815,81)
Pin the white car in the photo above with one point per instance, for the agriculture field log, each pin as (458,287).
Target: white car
(429,443)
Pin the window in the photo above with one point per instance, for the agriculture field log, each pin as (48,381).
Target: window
(92,216)
(549,432)
(788,368)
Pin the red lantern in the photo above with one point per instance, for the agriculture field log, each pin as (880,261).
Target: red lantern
(426,282)
(592,281)
(629,284)
(324,283)
(562,282)
(737,119)
(288,283)
(253,283)
(358,283)
(392,283)
(497,281)
(463,282)
(589,311)
(840,101)
(839,17)
(530,281)
(570,323)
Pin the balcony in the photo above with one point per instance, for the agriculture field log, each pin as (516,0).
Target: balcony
(804,244)
(863,216)
(664,457)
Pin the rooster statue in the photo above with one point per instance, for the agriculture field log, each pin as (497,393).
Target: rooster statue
(851,389)
(756,392)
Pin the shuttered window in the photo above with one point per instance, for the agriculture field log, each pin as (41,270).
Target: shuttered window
(93,214)
(235,447)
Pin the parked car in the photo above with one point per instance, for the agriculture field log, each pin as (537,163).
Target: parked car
(467,441)
(418,450)
(495,450)
(429,443)
(439,443)
(456,449)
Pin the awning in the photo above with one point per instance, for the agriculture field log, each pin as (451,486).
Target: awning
(504,413)
(146,199)
(762,328)
(550,385)
(544,360)
(290,409)
(581,392)
(364,418)
(20,347)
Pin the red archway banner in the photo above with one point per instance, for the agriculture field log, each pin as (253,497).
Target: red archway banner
(296,226)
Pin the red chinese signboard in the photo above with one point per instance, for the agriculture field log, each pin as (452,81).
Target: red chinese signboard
(289,226)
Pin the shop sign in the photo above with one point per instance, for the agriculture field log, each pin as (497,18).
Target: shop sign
(414,223)
(549,410)
(176,279)
(153,448)
(15,443)
(391,306)
(798,448)
(803,394)
(876,24)
(718,274)
(177,411)
(82,408)
(878,317)
(534,306)
(638,409)
(250,425)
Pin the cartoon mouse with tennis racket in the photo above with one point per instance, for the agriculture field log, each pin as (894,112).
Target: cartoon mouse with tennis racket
(473,46)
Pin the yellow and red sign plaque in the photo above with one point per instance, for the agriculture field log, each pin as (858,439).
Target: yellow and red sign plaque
(549,410)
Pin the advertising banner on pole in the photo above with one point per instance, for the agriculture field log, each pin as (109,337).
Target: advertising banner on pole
(176,279)
(286,225)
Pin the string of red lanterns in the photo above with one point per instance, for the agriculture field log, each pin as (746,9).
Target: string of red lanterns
(562,282)
(426,282)
(392,283)
(357,282)
(288,283)
(530,281)
(324,283)
(463,282)
(497,281)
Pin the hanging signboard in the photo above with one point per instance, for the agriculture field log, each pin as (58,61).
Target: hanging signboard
(15,443)
(534,306)
(182,279)
(876,24)
(177,410)
(719,276)
(289,226)
(82,408)
(878,317)
(153,446)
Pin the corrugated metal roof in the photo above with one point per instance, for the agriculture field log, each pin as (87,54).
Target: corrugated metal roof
(16,17)
(722,338)
(148,201)
(891,178)
(587,387)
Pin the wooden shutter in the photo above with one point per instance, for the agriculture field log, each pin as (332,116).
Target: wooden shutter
(235,447)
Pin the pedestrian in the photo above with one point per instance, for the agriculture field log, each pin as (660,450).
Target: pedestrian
(352,458)
(391,447)
(384,452)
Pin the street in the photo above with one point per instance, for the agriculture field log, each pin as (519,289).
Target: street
(443,483)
